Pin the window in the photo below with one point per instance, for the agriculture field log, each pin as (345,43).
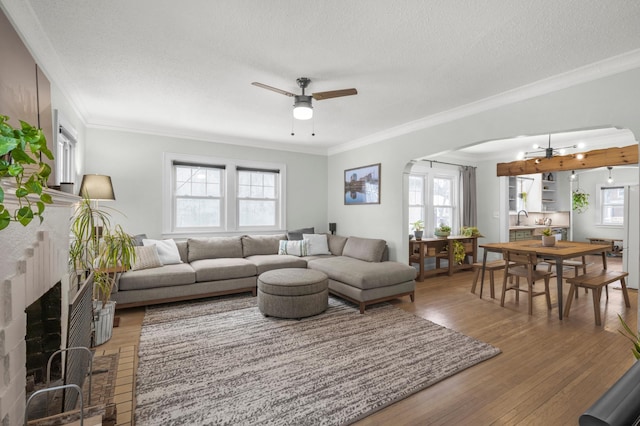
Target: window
(205,194)
(65,145)
(198,195)
(443,201)
(611,205)
(416,199)
(433,197)
(257,196)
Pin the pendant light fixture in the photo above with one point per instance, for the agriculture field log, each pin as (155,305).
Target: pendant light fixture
(610,179)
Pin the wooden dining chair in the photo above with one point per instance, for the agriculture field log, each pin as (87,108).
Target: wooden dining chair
(520,264)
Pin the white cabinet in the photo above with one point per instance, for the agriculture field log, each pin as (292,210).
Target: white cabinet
(524,192)
(549,192)
(533,193)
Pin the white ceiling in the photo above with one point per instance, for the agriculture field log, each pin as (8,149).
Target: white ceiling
(185,68)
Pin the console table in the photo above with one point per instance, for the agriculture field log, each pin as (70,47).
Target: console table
(612,241)
(442,248)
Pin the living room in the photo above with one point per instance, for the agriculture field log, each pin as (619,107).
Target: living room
(596,91)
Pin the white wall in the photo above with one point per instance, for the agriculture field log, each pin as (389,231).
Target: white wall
(134,162)
(585,223)
(610,101)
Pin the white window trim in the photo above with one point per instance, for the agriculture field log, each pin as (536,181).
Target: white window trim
(428,212)
(599,187)
(65,139)
(229,215)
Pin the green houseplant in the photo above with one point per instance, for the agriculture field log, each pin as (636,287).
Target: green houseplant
(418,228)
(20,158)
(580,201)
(548,240)
(442,230)
(103,250)
(633,337)
(459,252)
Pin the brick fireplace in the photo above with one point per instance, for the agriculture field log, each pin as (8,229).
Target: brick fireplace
(34,260)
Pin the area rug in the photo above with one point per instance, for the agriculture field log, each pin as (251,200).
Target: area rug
(221,361)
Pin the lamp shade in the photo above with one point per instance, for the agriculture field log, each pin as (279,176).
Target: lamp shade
(302,109)
(97,187)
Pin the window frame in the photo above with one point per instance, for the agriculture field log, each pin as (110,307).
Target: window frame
(230,214)
(66,140)
(428,212)
(601,204)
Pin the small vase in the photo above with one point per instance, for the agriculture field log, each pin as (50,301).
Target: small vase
(548,241)
(418,235)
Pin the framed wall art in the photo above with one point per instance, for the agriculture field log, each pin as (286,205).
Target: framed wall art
(362,185)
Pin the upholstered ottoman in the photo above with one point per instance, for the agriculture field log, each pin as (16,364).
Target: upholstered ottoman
(292,293)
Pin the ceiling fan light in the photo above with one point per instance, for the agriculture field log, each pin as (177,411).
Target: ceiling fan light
(302,109)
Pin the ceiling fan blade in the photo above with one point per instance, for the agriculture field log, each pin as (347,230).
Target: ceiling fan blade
(273,89)
(319,96)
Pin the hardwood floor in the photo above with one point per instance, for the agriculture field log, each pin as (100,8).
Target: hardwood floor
(549,370)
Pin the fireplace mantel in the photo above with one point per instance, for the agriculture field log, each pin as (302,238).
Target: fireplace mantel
(34,258)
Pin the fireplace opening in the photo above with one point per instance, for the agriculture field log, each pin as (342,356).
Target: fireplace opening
(44,337)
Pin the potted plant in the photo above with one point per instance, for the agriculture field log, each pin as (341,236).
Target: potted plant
(20,158)
(548,240)
(633,337)
(442,230)
(580,201)
(470,231)
(418,229)
(103,250)
(459,252)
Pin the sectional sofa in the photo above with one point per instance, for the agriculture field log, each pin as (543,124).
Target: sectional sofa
(357,268)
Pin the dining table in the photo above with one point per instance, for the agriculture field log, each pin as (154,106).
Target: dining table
(560,252)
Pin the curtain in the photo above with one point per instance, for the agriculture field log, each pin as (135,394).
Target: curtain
(469,211)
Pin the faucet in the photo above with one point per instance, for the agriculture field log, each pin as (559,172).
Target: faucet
(518,220)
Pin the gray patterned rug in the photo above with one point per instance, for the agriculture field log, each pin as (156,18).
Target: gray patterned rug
(221,362)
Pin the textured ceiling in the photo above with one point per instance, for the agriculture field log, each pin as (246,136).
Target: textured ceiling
(185,68)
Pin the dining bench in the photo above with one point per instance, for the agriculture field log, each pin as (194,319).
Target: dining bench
(595,281)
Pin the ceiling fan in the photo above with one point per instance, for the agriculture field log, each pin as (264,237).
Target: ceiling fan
(302,108)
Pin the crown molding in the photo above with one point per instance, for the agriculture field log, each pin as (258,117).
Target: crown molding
(611,66)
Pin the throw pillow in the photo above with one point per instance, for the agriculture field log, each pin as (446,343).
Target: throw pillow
(296,234)
(167,250)
(137,239)
(146,258)
(317,244)
(294,248)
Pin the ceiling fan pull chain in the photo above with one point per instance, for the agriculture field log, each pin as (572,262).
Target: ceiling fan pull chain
(313,126)
(292,126)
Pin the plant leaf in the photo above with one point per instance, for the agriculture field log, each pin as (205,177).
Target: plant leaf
(24,216)
(46,198)
(7,144)
(5,219)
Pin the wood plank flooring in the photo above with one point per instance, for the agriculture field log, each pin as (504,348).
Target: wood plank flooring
(549,370)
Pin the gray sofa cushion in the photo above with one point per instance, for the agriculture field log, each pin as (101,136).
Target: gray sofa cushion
(268,262)
(296,234)
(183,249)
(261,244)
(336,244)
(223,269)
(361,274)
(164,276)
(214,248)
(367,249)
